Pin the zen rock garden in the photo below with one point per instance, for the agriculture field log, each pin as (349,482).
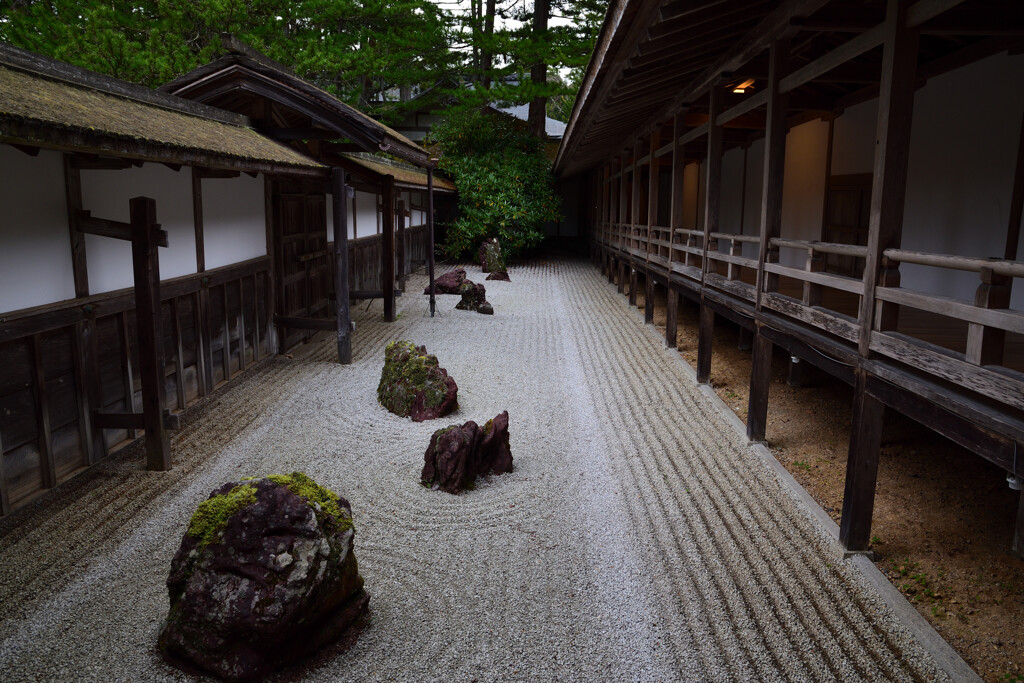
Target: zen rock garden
(265,575)
(458,454)
(474,295)
(412,384)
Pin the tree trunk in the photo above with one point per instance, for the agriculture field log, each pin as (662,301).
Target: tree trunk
(539,72)
(486,56)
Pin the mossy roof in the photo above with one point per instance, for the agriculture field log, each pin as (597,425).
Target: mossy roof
(404,175)
(37,108)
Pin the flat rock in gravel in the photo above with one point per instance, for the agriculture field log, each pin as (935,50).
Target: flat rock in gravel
(264,576)
(499,275)
(412,383)
(458,454)
(474,298)
(449,283)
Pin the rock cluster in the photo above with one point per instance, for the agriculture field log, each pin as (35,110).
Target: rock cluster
(474,298)
(457,455)
(412,384)
(448,283)
(265,575)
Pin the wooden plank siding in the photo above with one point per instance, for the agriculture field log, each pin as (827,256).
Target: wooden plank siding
(45,386)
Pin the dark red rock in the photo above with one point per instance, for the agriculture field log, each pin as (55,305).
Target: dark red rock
(449,283)
(265,576)
(412,384)
(457,455)
(474,298)
(499,275)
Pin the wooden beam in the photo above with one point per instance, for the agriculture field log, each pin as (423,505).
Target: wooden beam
(73,196)
(1016,202)
(861,467)
(343,326)
(388,252)
(197,219)
(205,172)
(146,267)
(774,165)
(713,186)
(114,229)
(892,153)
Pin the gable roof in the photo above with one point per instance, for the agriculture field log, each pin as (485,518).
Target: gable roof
(553,128)
(51,104)
(244,80)
(405,176)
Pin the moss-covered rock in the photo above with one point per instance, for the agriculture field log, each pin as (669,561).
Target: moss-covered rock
(491,258)
(474,298)
(265,575)
(412,384)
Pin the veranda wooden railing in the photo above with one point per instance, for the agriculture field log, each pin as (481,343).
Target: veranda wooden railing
(989,317)
(734,262)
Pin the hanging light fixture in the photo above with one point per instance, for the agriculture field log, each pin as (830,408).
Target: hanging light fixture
(742,87)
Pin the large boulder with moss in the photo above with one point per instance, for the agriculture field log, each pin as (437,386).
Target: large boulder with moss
(458,454)
(265,575)
(474,298)
(449,283)
(491,258)
(412,384)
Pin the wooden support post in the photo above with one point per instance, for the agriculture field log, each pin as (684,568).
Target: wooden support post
(225,330)
(73,196)
(799,372)
(197,219)
(388,252)
(42,408)
(760,380)
(400,244)
(713,193)
(861,467)
(339,195)
(179,365)
(774,166)
(649,298)
(632,285)
(5,496)
(86,395)
(892,153)
(202,344)
(652,196)
(430,235)
(621,284)
(675,220)
(985,344)
(671,317)
(705,333)
(745,339)
(1016,202)
(1018,532)
(146,266)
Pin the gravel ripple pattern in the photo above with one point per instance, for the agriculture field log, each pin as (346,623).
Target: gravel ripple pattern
(638,539)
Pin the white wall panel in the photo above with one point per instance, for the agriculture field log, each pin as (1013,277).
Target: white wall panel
(106,195)
(35,250)
(234,220)
(803,187)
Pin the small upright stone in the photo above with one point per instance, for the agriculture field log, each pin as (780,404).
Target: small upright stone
(491,258)
(412,384)
(458,454)
(474,298)
(265,575)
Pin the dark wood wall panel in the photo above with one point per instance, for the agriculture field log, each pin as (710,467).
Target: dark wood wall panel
(44,376)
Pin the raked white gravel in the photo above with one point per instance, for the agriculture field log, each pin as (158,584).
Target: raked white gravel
(638,538)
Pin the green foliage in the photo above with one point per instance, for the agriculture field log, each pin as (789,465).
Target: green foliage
(505,185)
(213,514)
(355,49)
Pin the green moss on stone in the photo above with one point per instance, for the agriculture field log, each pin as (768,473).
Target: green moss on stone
(408,370)
(213,514)
(323,500)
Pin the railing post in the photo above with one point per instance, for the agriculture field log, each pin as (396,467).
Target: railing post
(713,193)
(735,249)
(774,168)
(985,344)
(886,312)
(812,291)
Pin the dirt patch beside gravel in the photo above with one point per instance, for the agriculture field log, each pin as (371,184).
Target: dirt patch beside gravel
(944,517)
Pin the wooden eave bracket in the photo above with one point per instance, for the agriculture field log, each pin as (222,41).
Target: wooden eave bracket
(116,229)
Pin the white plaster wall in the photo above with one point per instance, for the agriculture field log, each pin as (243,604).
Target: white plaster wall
(350,215)
(755,185)
(963,148)
(106,194)
(366,213)
(35,250)
(803,187)
(853,139)
(234,220)
(693,215)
